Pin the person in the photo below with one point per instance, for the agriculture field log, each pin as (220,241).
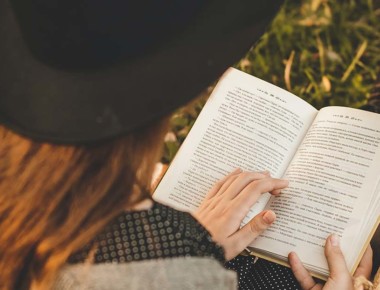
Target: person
(85,92)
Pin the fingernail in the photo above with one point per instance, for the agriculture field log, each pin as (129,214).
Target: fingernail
(285,180)
(334,240)
(266,172)
(276,192)
(235,171)
(293,258)
(269,217)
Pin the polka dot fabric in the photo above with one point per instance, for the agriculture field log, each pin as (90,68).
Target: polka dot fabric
(261,274)
(162,232)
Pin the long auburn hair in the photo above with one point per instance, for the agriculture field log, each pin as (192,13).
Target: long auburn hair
(55,198)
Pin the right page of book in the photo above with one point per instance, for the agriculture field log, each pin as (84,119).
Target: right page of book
(333,179)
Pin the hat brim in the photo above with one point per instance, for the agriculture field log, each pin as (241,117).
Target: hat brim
(84,107)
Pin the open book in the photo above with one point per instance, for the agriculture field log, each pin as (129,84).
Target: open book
(331,158)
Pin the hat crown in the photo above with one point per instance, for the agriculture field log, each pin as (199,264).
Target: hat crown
(75,34)
(85,71)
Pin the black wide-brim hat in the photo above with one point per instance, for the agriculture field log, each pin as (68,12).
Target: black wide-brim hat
(83,71)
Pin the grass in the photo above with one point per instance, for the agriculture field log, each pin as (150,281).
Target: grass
(324,51)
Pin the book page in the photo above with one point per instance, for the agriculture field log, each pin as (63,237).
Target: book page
(333,178)
(247,123)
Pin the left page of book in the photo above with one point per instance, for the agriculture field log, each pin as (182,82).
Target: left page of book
(247,123)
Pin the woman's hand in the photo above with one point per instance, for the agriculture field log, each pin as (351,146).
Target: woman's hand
(227,204)
(339,278)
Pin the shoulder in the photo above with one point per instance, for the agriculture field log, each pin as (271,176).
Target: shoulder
(160,232)
(174,273)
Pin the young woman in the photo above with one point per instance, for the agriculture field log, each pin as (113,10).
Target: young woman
(84,86)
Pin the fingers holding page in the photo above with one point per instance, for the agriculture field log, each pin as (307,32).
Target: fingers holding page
(222,183)
(252,192)
(335,258)
(241,182)
(229,187)
(339,278)
(215,194)
(228,203)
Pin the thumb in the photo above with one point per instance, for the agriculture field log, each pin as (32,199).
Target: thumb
(335,258)
(248,233)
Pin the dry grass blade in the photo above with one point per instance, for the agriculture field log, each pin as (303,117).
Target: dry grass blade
(288,69)
(357,57)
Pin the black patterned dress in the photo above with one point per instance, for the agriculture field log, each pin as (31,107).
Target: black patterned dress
(163,232)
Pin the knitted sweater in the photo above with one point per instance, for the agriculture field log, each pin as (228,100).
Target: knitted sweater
(177,273)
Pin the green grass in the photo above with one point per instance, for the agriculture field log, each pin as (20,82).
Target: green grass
(326,52)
